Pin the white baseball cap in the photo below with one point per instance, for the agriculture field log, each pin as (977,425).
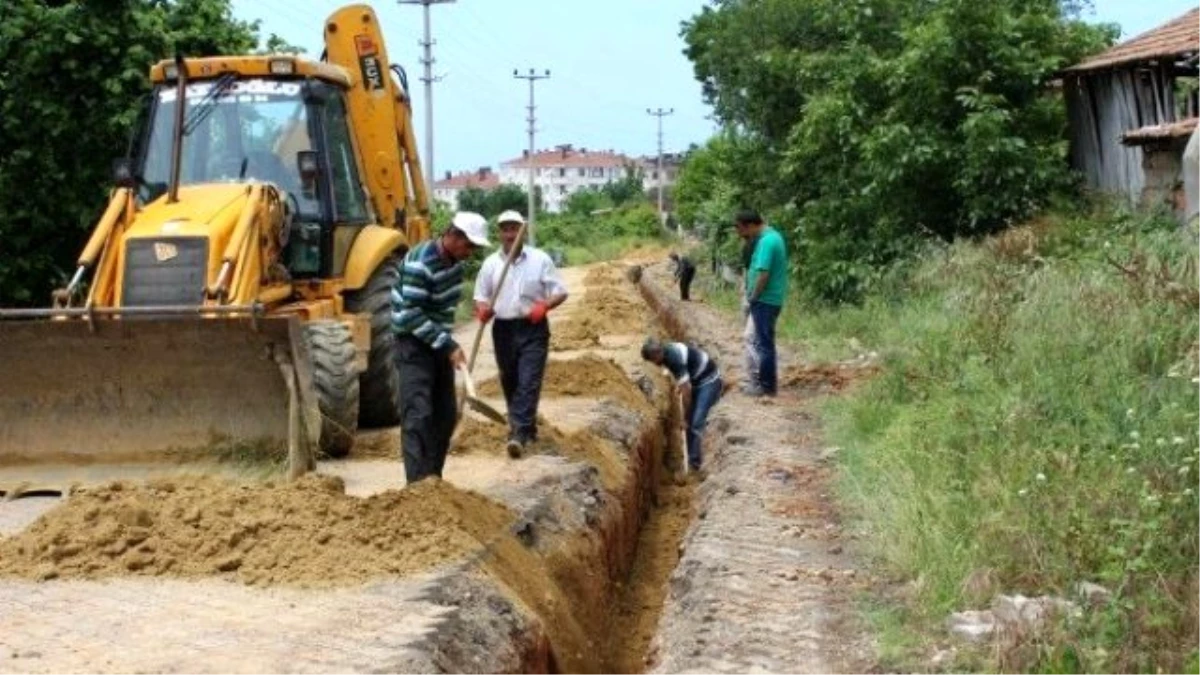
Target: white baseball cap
(510,216)
(473,226)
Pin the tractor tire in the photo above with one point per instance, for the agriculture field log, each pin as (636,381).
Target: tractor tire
(331,348)
(380,382)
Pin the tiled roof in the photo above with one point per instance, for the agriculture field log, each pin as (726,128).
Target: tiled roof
(1158,132)
(485,181)
(1172,39)
(570,158)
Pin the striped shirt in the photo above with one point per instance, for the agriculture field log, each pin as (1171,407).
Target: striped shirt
(423,302)
(689,364)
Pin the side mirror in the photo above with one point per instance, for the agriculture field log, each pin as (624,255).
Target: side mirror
(122,173)
(309,166)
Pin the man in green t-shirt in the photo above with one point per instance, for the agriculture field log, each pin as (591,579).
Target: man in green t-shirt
(766,286)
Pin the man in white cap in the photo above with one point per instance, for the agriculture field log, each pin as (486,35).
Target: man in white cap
(423,304)
(521,334)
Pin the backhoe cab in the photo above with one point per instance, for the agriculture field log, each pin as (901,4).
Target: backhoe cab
(236,290)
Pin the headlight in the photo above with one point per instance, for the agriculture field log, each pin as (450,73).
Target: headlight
(282,66)
(171,72)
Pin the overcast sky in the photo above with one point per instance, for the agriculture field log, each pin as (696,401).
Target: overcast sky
(609,61)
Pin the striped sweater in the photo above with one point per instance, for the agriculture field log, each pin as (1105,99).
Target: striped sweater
(423,302)
(689,364)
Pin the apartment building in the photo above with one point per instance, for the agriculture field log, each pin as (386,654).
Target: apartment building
(564,170)
(446,190)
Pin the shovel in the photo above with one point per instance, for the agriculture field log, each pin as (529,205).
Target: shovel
(471,400)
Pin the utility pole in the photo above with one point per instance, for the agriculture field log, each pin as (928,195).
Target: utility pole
(428,79)
(662,217)
(532,119)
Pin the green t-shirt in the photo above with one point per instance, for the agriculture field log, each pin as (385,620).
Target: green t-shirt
(771,257)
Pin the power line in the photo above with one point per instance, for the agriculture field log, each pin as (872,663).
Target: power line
(533,77)
(428,79)
(660,114)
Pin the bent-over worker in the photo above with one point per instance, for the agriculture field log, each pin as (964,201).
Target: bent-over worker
(521,334)
(698,378)
(423,304)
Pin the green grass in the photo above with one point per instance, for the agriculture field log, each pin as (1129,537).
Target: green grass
(1034,426)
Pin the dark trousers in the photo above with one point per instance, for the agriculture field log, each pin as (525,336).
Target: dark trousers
(427,407)
(765,317)
(685,282)
(703,399)
(521,351)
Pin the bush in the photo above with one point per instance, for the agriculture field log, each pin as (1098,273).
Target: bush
(1035,427)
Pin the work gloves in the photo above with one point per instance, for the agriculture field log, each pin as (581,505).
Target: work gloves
(537,313)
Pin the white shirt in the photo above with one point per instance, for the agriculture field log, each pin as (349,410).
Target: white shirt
(531,278)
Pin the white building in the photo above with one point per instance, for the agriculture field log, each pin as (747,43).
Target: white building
(671,162)
(446,190)
(565,170)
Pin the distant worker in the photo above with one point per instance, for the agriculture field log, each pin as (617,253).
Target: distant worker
(521,334)
(697,378)
(766,287)
(749,335)
(423,304)
(685,271)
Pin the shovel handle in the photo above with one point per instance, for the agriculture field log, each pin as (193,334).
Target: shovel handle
(468,382)
(496,293)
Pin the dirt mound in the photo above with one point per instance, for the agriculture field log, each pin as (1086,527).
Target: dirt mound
(825,378)
(605,275)
(588,375)
(606,310)
(581,333)
(307,533)
(483,438)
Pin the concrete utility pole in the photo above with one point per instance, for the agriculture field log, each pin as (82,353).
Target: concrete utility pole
(531,216)
(660,114)
(428,79)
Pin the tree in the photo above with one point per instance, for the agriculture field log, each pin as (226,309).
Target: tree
(626,189)
(586,201)
(493,202)
(879,122)
(74,79)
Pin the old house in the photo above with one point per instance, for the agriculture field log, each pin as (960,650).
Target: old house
(1131,110)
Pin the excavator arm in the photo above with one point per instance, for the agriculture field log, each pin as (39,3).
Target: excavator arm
(380,120)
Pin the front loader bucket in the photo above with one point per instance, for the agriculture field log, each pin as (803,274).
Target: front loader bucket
(151,390)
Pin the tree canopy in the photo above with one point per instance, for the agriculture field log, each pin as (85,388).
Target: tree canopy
(859,127)
(72,84)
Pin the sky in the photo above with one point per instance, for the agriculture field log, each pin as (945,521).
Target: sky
(609,61)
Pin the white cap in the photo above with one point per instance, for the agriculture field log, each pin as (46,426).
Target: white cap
(473,226)
(510,216)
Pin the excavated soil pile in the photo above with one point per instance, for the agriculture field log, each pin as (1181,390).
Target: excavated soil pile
(604,275)
(606,310)
(483,438)
(307,533)
(825,378)
(590,376)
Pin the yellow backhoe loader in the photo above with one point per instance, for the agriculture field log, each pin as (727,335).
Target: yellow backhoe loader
(236,290)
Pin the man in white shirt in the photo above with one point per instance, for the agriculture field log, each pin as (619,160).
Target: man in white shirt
(521,334)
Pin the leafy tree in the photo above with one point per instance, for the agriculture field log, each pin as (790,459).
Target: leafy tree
(879,122)
(586,201)
(72,83)
(626,189)
(278,45)
(504,197)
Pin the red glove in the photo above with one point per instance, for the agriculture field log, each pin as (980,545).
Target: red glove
(484,314)
(537,313)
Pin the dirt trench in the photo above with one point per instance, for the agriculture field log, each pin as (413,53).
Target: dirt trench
(558,562)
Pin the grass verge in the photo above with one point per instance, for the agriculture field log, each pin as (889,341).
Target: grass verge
(1034,426)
